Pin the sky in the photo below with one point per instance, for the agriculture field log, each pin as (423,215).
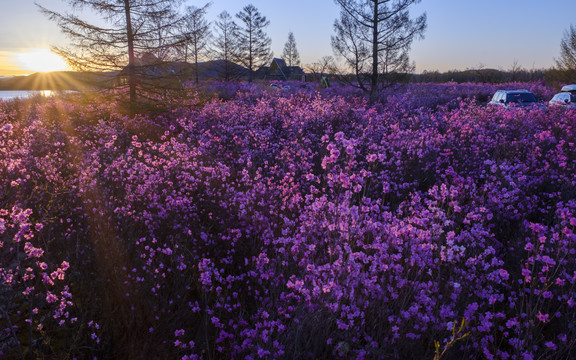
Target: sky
(461,34)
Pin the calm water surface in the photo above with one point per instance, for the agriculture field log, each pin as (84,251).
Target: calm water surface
(24,94)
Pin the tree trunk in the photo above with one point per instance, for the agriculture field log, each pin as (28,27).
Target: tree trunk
(131,55)
(374,80)
(250,76)
(196,61)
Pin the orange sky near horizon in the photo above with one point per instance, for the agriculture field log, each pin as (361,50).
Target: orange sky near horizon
(29,61)
(460,35)
(8,67)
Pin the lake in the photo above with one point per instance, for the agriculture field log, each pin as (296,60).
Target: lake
(24,94)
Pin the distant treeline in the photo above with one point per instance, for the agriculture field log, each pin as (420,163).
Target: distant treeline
(212,70)
(495,76)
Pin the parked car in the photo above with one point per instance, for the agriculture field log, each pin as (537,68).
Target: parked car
(569,88)
(279,86)
(508,98)
(275,86)
(566,99)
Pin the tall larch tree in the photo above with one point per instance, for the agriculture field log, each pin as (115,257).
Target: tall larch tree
(253,42)
(385,29)
(135,28)
(197,36)
(352,48)
(225,44)
(290,53)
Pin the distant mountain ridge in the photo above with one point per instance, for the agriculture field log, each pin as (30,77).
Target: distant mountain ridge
(57,80)
(73,80)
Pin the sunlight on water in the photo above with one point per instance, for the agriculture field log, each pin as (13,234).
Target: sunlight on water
(25,94)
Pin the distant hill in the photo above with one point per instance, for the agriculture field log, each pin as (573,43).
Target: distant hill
(58,80)
(216,69)
(72,80)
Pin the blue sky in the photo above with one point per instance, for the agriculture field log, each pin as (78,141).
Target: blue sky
(461,34)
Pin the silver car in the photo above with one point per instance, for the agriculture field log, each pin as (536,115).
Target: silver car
(569,88)
(565,99)
(511,98)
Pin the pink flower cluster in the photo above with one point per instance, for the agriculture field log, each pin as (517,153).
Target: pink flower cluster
(33,296)
(287,224)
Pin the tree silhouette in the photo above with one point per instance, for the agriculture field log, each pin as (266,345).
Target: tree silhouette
(352,48)
(253,43)
(196,35)
(290,54)
(225,45)
(136,28)
(566,63)
(384,29)
(323,67)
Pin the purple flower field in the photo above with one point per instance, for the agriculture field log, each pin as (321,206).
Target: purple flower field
(247,223)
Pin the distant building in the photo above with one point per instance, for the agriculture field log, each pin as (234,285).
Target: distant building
(278,70)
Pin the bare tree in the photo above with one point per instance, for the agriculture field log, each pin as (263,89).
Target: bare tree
(515,70)
(163,35)
(196,35)
(136,27)
(225,45)
(325,66)
(290,54)
(566,63)
(383,28)
(253,43)
(347,44)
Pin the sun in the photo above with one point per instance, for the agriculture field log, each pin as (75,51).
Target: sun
(40,60)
